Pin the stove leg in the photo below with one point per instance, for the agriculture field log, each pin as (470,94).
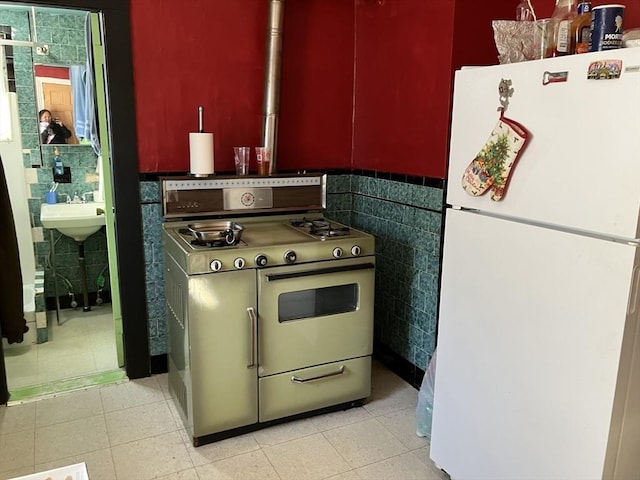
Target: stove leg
(83,276)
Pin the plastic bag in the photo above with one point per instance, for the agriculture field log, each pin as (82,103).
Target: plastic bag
(521,41)
(424,411)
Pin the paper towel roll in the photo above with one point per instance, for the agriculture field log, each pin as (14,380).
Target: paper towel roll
(201,153)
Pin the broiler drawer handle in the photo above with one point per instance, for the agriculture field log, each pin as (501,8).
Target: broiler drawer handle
(340,371)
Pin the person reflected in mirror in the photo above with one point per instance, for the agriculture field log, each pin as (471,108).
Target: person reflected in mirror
(52,130)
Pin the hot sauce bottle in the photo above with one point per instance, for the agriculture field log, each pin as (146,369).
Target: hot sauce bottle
(581,29)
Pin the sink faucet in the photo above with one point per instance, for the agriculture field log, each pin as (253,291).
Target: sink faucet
(76,198)
(84,197)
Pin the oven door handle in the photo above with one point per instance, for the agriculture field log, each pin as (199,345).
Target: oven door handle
(272,277)
(253,326)
(340,371)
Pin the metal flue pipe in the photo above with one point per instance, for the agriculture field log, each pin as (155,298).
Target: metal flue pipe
(273,60)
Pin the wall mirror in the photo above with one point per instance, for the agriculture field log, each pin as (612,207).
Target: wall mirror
(55,93)
(49,53)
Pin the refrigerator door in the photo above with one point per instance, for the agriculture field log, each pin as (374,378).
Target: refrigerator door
(581,167)
(529,345)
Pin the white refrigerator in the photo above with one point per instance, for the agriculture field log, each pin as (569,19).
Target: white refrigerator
(538,370)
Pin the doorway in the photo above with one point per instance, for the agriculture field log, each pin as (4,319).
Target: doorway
(121,126)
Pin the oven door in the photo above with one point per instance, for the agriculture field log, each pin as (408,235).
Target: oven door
(315,313)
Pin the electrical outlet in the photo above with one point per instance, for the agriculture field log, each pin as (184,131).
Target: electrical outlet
(63,178)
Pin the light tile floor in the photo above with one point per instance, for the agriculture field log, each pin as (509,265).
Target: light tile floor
(84,343)
(131,431)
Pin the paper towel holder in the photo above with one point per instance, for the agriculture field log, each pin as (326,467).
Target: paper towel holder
(201,132)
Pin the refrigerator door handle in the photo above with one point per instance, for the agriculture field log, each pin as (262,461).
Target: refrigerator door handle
(635,287)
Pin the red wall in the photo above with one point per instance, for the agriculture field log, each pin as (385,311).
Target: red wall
(365,84)
(403,58)
(211,53)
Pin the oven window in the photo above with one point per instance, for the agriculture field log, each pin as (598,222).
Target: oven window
(317,302)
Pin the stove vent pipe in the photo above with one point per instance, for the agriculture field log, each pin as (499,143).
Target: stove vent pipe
(273,59)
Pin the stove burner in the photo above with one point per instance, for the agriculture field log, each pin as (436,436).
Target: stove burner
(307,223)
(320,228)
(330,232)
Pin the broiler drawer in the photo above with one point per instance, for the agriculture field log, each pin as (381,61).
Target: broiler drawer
(312,388)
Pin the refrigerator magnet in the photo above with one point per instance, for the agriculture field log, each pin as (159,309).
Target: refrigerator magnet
(604,70)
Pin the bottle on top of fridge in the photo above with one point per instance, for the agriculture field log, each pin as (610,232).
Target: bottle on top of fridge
(581,29)
(563,15)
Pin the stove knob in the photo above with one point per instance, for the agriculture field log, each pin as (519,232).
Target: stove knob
(289,256)
(239,263)
(355,250)
(261,260)
(216,265)
(337,252)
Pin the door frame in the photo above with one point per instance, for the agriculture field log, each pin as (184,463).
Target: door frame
(125,174)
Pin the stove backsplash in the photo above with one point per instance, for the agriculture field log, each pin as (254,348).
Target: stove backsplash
(405,215)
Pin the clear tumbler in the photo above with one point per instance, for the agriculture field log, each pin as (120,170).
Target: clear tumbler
(242,156)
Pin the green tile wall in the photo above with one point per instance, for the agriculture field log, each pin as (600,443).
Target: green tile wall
(406,221)
(152,238)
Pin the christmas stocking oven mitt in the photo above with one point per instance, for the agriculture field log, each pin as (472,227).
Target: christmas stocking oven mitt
(493,164)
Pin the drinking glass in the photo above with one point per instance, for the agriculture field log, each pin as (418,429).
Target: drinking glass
(242,156)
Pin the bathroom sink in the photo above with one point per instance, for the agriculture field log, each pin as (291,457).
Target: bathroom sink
(75,220)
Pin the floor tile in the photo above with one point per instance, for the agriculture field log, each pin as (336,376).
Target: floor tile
(340,418)
(18,472)
(132,431)
(99,464)
(66,407)
(308,458)
(405,467)
(189,474)
(229,447)
(151,457)
(137,392)
(284,432)
(17,450)
(163,381)
(22,367)
(140,422)
(364,443)
(72,438)
(422,455)
(65,366)
(398,395)
(248,466)
(62,346)
(402,425)
(84,343)
(350,475)
(17,419)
